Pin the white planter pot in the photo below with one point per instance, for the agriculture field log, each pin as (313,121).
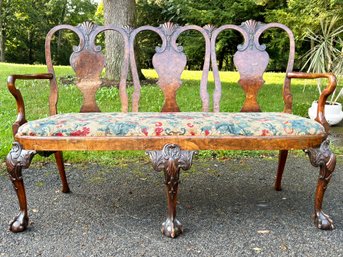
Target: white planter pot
(333,112)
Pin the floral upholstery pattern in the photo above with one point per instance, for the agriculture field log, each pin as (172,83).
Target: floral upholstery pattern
(165,124)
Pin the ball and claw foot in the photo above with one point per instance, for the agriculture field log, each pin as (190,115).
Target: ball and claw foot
(172,228)
(323,221)
(19,223)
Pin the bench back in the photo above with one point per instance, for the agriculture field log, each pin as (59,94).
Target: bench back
(169,61)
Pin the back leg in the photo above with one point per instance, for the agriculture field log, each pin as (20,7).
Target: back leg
(61,170)
(282,161)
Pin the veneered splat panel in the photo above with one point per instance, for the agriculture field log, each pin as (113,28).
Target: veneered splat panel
(251,63)
(88,65)
(169,64)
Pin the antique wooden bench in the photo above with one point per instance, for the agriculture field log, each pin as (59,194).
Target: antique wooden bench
(170,137)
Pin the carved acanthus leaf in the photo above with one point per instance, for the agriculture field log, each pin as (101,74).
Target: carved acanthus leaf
(171,152)
(18,158)
(321,156)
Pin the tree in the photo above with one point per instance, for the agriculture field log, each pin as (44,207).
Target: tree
(5,19)
(2,34)
(120,13)
(301,16)
(25,23)
(202,12)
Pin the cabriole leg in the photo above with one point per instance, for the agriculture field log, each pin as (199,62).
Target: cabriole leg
(61,170)
(170,160)
(16,160)
(282,161)
(326,161)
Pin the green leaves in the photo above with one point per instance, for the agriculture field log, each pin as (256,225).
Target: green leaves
(26,24)
(325,55)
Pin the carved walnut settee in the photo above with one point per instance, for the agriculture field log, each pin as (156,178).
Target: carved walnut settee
(170,137)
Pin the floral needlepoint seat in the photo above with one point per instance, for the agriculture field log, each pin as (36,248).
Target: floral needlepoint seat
(181,124)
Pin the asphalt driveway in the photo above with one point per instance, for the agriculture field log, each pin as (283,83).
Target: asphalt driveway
(228,208)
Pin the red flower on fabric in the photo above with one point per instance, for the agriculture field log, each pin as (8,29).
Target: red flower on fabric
(158,131)
(145,131)
(158,124)
(207,132)
(288,128)
(83,132)
(192,133)
(59,134)
(265,132)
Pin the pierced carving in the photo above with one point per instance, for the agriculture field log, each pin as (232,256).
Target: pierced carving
(171,159)
(86,28)
(168,29)
(251,26)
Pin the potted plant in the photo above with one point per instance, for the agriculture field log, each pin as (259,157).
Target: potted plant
(333,112)
(326,55)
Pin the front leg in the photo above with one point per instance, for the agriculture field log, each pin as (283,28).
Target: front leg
(170,160)
(16,160)
(326,161)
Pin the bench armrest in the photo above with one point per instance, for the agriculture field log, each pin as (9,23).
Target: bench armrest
(19,98)
(330,88)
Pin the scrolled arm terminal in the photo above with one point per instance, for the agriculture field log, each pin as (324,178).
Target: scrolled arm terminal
(330,88)
(19,98)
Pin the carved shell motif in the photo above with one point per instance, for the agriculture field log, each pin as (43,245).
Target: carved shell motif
(169,28)
(87,27)
(209,29)
(250,26)
(128,29)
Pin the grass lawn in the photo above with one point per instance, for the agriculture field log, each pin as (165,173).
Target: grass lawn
(35,95)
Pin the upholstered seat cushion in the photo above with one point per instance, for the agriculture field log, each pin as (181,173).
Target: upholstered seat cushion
(164,124)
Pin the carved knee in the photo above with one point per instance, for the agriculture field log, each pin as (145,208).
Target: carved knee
(17,159)
(323,157)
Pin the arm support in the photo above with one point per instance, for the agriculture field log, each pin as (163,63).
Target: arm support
(18,97)
(323,96)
